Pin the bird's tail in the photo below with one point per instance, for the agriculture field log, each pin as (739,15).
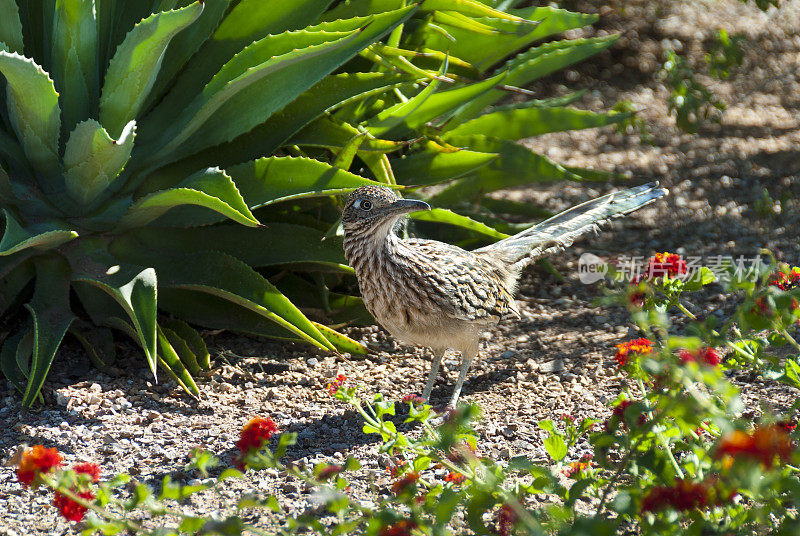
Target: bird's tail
(562,229)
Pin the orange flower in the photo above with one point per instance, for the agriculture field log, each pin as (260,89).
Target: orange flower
(455,478)
(764,444)
(338,382)
(255,434)
(36,461)
(640,346)
(406,482)
(330,471)
(682,496)
(576,468)
(69,508)
(706,355)
(784,280)
(669,264)
(401,528)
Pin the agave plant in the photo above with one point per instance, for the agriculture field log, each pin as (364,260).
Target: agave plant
(187,157)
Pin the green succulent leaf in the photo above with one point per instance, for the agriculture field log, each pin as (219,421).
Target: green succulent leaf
(224,276)
(211,188)
(51,317)
(134,67)
(15,357)
(528,122)
(334,135)
(431,167)
(98,343)
(16,272)
(74,59)
(171,355)
(33,110)
(242,96)
(92,160)
(441,215)
(276,179)
(44,236)
(132,287)
(192,339)
(10,26)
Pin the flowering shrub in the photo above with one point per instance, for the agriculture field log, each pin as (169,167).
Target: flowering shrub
(675,456)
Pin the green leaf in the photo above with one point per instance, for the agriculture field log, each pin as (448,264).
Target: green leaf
(193,341)
(440,215)
(187,358)
(74,60)
(16,237)
(555,446)
(264,78)
(224,276)
(468,7)
(98,343)
(528,122)
(33,110)
(133,69)
(132,287)
(277,179)
(272,245)
(11,355)
(10,26)
(169,358)
(51,316)
(431,167)
(343,343)
(92,160)
(15,274)
(517,165)
(211,188)
(333,135)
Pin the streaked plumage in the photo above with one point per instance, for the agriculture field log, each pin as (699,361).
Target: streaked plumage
(433,294)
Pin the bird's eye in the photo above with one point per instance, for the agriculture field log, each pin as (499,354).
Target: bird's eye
(365,205)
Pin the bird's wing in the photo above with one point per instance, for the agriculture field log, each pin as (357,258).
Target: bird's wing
(467,286)
(562,229)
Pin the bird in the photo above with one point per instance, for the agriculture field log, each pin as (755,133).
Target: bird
(433,294)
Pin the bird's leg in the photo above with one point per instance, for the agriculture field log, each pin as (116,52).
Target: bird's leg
(438,354)
(466,360)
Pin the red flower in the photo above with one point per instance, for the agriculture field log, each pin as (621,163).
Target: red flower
(661,264)
(682,496)
(255,434)
(406,482)
(413,398)
(787,426)
(506,518)
(640,346)
(330,471)
(338,382)
(401,528)
(576,468)
(618,415)
(69,508)
(91,469)
(784,280)
(764,444)
(36,461)
(636,297)
(705,355)
(762,307)
(455,478)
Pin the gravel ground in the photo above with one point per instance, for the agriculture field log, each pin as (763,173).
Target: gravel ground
(555,360)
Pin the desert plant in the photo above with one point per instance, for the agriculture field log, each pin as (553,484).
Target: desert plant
(154,155)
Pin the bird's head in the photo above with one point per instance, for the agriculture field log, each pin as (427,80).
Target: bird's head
(376,209)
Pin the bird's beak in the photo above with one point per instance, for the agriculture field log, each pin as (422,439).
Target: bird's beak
(404,206)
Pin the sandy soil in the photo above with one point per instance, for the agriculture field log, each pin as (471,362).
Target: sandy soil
(556,360)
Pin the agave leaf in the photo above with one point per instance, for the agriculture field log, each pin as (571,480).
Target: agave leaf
(15,355)
(15,274)
(132,287)
(217,313)
(554,20)
(13,153)
(334,135)
(431,167)
(33,109)
(528,122)
(184,353)
(98,343)
(235,106)
(16,237)
(272,245)
(92,160)
(74,60)
(440,215)
(10,26)
(276,179)
(133,69)
(343,343)
(247,22)
(221,275)
(51,317)
(532,65)
(169,358)
(469,7)
(552,102)
(192,339)
(186,44)
(211,188)
(517,165)
(360,8)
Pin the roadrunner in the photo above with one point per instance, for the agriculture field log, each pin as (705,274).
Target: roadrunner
(433,294)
